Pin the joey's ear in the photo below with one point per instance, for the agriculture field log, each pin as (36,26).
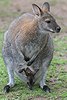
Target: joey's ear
(46,7)
(37,10)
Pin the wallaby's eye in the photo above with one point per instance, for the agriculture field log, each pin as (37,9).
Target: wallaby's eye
(47,20)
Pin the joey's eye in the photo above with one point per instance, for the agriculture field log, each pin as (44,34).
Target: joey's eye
(47,20)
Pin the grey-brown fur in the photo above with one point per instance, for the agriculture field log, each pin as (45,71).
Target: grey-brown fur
(28,44)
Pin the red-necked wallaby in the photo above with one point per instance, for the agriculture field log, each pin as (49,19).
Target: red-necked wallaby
(28,46)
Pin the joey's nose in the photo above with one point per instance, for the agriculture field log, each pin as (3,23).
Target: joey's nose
(58,29)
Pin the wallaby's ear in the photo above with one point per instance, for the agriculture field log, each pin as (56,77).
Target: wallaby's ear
(37,10)
(46,7)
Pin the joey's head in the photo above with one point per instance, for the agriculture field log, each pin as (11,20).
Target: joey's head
(46,21)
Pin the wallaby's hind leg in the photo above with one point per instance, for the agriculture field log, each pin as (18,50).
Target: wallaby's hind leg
(9,64)
(43,75)
(11,79)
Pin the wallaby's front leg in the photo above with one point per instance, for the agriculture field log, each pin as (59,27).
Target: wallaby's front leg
(45,65)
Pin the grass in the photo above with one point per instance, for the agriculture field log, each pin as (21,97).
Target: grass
(53,2)
(56,75)
(4,2)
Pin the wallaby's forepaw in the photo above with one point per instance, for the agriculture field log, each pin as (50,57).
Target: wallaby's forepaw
(6,88)
(46,88)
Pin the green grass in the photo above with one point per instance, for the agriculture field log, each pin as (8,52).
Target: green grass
(4,2)
(53,2)
(56,75)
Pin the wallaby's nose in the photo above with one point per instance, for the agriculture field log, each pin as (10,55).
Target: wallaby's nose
(58,29)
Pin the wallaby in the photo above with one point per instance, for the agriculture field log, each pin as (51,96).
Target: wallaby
(28,47)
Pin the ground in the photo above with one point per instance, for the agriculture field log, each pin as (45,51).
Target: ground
(57,73)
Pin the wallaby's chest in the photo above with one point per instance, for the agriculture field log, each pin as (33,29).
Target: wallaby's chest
(31,46)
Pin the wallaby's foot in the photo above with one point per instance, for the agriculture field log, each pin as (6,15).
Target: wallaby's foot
(6,88)
(46,88)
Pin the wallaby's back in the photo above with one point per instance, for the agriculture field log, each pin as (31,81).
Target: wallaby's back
(21,26)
